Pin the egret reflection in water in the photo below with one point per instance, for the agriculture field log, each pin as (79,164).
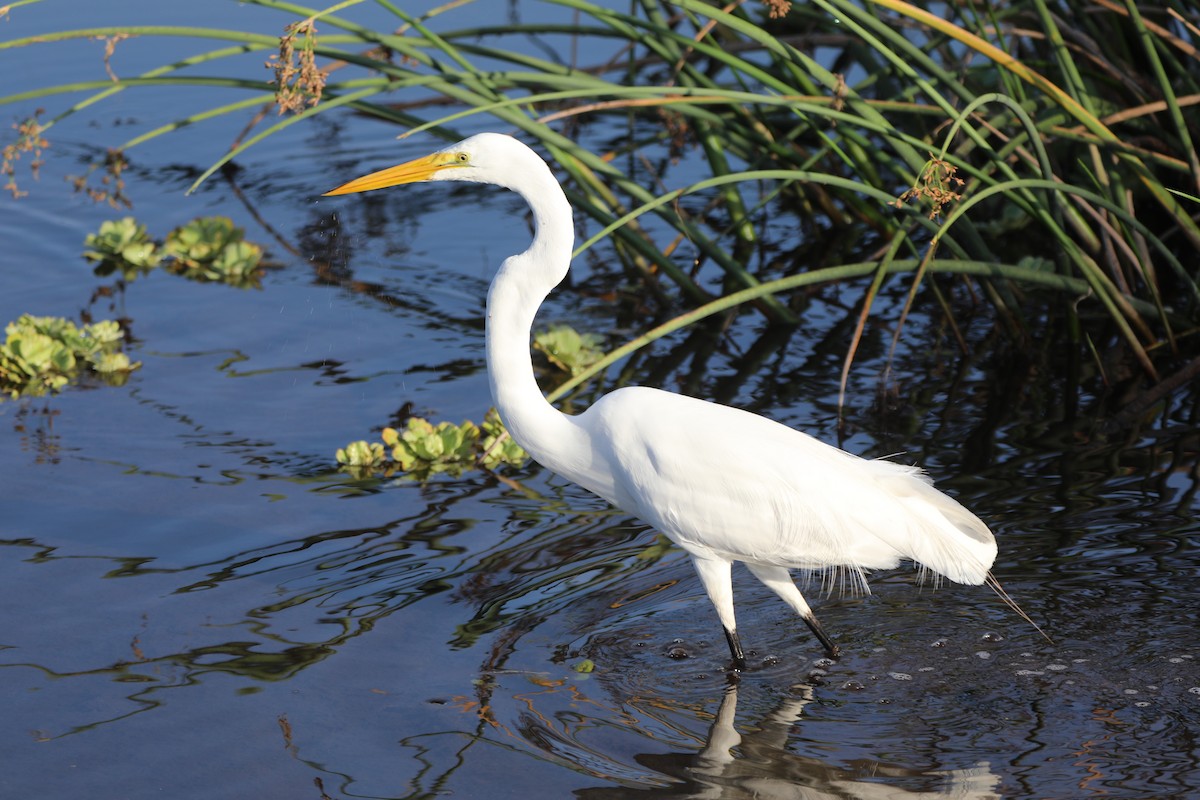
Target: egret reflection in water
(763,763)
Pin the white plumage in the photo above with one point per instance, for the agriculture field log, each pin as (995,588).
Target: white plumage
(726,485)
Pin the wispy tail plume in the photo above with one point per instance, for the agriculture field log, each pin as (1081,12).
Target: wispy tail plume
(995,586)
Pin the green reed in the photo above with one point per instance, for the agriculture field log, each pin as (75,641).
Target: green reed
(987,153)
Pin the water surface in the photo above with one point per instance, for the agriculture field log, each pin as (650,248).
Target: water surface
(196,604)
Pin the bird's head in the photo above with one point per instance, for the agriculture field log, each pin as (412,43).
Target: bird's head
(483,158)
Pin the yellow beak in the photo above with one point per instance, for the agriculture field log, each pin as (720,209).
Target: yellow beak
(419,169)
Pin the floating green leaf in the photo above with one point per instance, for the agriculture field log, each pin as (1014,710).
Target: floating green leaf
(423,449)
(426,448)
(497,446)
(361,454)
(201,241)
(42,354)
(213,249)
(122,244)
(205,249)
(568,349)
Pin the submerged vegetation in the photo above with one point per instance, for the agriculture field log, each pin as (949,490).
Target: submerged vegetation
(989,155)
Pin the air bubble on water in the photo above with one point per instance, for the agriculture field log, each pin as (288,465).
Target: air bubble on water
(1175,660)
(925,669)
(854,686)
(984,654)
(992,636)
(1131,691)
(1029,672)
(900,676)
(939,643)
(1056,667)
(1141,704)
(1079,660)
(1195,690)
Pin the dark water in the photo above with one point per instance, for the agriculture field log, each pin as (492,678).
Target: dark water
(193,604)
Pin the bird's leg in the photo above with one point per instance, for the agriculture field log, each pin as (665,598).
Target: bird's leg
(779,580)
(735,649)
(831,649)
(714,574)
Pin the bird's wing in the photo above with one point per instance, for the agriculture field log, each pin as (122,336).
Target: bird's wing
(723,481)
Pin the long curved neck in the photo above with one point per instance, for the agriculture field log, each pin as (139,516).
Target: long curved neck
(517,291)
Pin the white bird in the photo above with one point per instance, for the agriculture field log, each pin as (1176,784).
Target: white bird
(724,484)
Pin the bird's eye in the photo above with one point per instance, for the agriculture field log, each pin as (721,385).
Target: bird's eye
(463,158)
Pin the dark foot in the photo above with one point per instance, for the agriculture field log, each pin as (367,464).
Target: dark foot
(735,650)
(831,649)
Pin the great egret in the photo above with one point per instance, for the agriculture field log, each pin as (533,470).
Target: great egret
(724,484)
